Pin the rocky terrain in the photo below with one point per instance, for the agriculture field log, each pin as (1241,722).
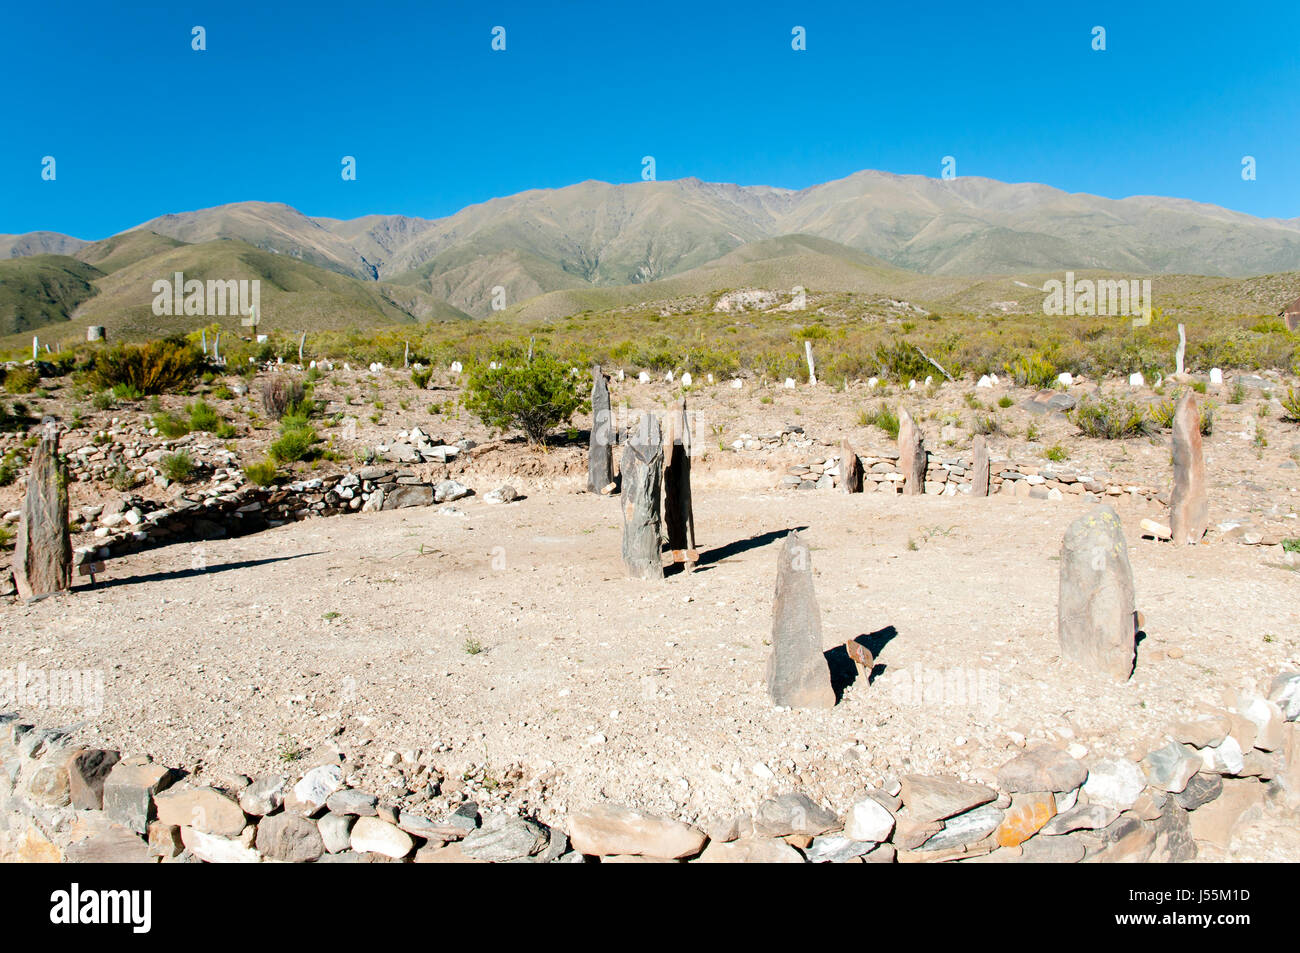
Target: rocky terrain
(478,641)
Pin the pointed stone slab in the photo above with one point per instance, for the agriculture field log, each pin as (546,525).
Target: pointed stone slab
(1189,507)
(911,454)
(1096,616)
(850,469)
(643,465)
(600,449)
(679,516)
(979,477)
(797,673)
(43,553)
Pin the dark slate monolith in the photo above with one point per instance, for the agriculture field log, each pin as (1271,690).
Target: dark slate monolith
(642,474)
(979,474)
(911,454)
(850,469)
(1096,616)
(797,673)
(1189,508)
(600,451)
(679,517)
(43,554)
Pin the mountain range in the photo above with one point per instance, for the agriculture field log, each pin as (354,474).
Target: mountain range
(872,229)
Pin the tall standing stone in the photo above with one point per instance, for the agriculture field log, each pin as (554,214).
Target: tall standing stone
(679,517)
(797,673)
(1189,508)
(600,451)
(979,474)
(643,464)
(850,468)
(43,554)
(1096,616)
(911,454)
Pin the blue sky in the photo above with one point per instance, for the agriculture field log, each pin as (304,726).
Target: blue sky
(139,124)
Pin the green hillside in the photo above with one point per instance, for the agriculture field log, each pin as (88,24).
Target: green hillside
(42,290)
(126,249)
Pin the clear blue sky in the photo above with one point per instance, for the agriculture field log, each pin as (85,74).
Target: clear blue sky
(139,124)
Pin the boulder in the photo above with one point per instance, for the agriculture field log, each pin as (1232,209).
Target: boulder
(1189,510)
(612,829)
(797,673)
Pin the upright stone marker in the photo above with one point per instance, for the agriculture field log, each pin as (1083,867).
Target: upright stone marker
(850,468)
(911,454)
(679,516)
(600,449)
(1189,508)
(979,475)
(797,673)
(43,554)
(1096,616)
(643,465)
(95,332)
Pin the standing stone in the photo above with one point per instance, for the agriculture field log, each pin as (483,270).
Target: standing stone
(679,517)
(911,455)
(1189,509)
(850,469)
(1096,616)
(95,332)
(797,673)
(43,555)
(600,451)
(979,474)
(643,464)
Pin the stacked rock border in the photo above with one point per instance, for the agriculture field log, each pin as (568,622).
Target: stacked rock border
(65,802)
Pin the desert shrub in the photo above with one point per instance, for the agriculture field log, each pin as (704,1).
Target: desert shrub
(985,424)
(902,362)
(155,367)
(1238,393)
(171,426)
(279,394)
(177,467)
(420,377)
(1109,419)
(203,417)
(1005,401)
(1291,406)
(1057,453)
(10,464)
(222,392)
(21,380)
(294,443)
(121,478)
(263,473)
(1161,414)
(1033,371)
(124,391)
(882,417)
(532,396)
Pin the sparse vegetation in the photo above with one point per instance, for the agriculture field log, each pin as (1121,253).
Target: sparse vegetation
(263,473)
(1109,418)
(280,393)
(882,417)
(21,380)
(155,367)
(177,467)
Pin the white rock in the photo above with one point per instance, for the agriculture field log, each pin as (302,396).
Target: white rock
(218,850)
(872,382)
(789,383)
(868,820)
(737,384)
(984,381)
(370,835)
(1216,376)
(318,784)
(1116,784)
(1065,379)
(1223,758)
(643,378)
(686,379)
(1136,380)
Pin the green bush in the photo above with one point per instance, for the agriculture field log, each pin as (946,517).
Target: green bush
(1033,371)
(420,377)
(21,380)
(1057,453)
(156,367)
(171,426)
(263,473)
(902,362)
(177,467)
(882,417)
(294,443)
(1110,419)
(10,464)
(203,417)
(1291,407)
(533,396)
